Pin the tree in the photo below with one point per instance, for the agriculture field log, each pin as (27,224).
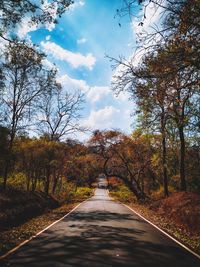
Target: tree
(122,157)
(59,113)
(163,91)
(4,141)
(42,162)
(38,12)
(25,80)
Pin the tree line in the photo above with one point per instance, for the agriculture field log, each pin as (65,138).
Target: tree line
(162,151)
(32,101)
(165,83)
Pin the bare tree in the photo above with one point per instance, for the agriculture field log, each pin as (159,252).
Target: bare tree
(60,113)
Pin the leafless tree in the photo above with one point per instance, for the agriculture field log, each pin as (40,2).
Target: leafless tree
(59,113)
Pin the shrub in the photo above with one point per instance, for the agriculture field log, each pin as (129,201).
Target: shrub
(123,194)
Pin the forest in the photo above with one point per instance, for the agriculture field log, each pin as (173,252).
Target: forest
(160,157)
(165,87)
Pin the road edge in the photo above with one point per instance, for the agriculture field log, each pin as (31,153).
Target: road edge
(40,232)
(165,233)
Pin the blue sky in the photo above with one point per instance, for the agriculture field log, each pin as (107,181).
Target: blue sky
(78,45)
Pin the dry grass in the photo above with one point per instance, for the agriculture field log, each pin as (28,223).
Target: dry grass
(178,215)
(190,238)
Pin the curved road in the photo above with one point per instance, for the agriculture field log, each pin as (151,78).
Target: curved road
(101,232)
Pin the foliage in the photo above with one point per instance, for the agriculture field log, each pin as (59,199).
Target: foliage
(83,193)
(30,94)
(165,86)
(38,12)
(124,157)
(123,194)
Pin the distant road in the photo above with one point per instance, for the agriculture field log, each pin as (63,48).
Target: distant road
(102,232)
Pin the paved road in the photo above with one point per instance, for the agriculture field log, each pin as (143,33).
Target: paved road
(101,232)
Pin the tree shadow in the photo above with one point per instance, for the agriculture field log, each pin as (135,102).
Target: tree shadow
(99,239)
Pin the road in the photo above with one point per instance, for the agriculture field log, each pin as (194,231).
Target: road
(102,232)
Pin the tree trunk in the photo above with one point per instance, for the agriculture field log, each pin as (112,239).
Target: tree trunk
(182,159)
(55,181)
(164,165)
(5,177)
(47,183)
(135,188)
(164,155)
(8,163)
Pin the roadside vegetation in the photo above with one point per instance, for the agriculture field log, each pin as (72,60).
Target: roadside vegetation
(178,214)
(155,168)
(24,213)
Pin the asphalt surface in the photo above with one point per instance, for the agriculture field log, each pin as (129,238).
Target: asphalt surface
(102,232)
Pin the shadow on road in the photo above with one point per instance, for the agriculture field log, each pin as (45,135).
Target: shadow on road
(102,216)
(101,232)
(88,241)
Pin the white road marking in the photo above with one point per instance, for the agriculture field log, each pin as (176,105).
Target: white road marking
(32,237)
(175,240)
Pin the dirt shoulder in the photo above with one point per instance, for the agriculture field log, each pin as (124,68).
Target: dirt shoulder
(23,215)
(178,215)
(189,239)
(16,235)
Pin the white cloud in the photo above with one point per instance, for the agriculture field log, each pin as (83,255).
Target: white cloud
(48,64)
(106,111)
(96,93)
(3,44)
(48,37)
(76,4)
(25,27)
(81,41)
(75,59)
(81,3)
(151,23)
(152,15)
(123,97)
(103,118)
(74,84)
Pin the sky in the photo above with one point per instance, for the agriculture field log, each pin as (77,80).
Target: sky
(77,45)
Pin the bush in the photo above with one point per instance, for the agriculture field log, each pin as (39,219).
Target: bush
(18,181)
(123,194)
(68,192)
(82,193)
(159,193)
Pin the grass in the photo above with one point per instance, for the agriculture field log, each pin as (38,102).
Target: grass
(122,193)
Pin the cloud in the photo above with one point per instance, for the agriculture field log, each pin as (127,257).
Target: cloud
(73,84)
(152,16)
(153,19)
(76,4)
(75,59)
(105,109)
(48,37)
(151,23)
(96,93)
(48,64)
(103,118)
(81,41)
(27,26)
